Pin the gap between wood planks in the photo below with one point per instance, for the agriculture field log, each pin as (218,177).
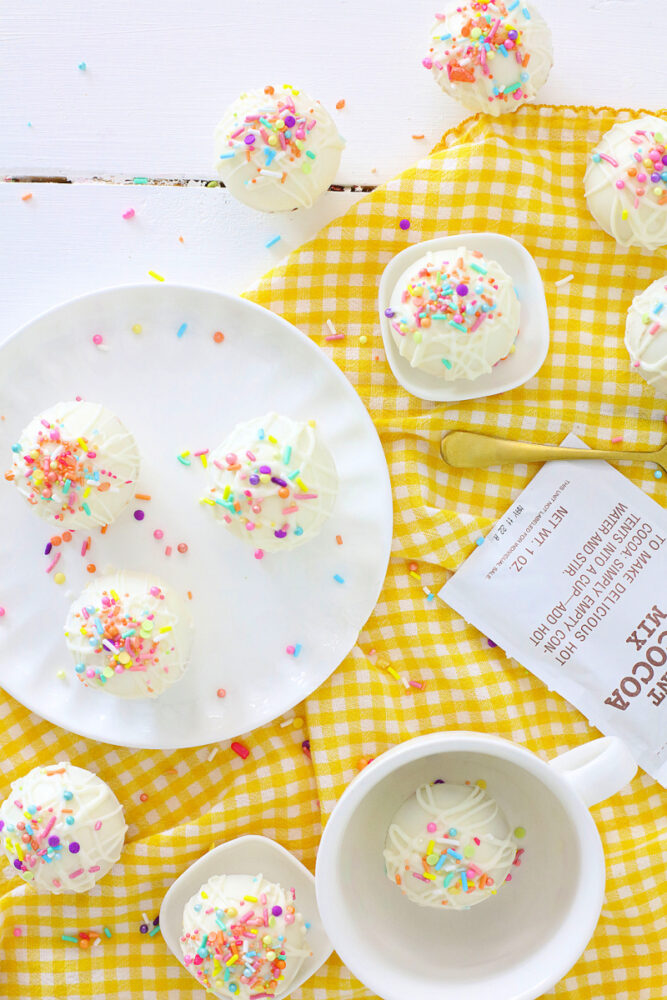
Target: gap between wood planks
(155,182)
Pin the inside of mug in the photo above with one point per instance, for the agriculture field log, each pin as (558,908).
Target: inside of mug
(506,940)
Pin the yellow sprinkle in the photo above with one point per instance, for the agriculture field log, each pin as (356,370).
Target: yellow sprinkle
(158,277)
(272,439)
(204,461)
(302,486)
(624,213)
(115,595)
(208,501)
(204,895)
(123,658)
(250,899)
(390,670)
(184,454)
(19,851)
(136,328)
(83,443)
(428,876)
(415,575)
(230,961)
(481,783)
(59,578)
(312,423)
(86,492)
(227,490)
(431,847)
(166,628)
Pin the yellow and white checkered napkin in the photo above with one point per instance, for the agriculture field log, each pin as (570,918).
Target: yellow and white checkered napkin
(521,176)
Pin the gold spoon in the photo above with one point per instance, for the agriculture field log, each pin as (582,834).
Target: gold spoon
(467,450)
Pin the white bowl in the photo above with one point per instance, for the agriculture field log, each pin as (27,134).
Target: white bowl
(532,343)
(249,855)
(512,946)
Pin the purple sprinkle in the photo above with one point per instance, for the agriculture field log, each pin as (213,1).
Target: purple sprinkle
(276,910)
(48,548)
(144,929)
(404,223)
(439,781)
(139,515)
(461,290)
(265,470)
(280,533)
(2,824)
(249,139)
(278,482)
(74,848)
(389,313)
(513,35)
(664,159)
(254,480)
(491,643)
(156,922)
(289,120)
(54,841)
(18,865)
(655,178)
(306,744)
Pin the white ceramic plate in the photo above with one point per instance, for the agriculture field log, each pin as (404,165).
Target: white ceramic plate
(532,343)
(179,394)
(249,856)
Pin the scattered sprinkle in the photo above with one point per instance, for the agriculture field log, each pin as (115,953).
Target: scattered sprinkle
(143,797)
(656,475)
(26,197)
(59,578)
(404,224)
(139,515)
(479,541)
(218,336)
(339,540)
(137,328)
(564,281)
(82,66)
(140,180)
(129,214)
(616,440)
(338,578)
(181,330)
(519,832)
(142,496)
(340,105)
(272,242)
(305,746)
(154,274)
(221,693)
(418,136)
(240,750)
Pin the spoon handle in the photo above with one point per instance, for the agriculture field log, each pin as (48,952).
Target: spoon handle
(467,450)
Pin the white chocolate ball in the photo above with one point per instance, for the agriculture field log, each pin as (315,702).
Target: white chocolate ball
(489,58)
(646,335)
(626,183)
(449,845)
(77,465)
(273,482)
(454,314)
(262,915)
(62,828)
(277,151)
(130,635)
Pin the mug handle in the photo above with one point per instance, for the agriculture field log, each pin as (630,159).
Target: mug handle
(597,769)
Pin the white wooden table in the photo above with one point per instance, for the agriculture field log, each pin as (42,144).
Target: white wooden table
(157,78)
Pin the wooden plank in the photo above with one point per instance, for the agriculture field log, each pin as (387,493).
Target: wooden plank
(159,76)
(69,239)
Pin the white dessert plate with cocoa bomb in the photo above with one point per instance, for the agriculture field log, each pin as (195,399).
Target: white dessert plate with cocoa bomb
(267,626)
(488,370)
(250,855)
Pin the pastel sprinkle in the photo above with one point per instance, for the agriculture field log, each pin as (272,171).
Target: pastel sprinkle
(181,330)
(338,578)
(272,242)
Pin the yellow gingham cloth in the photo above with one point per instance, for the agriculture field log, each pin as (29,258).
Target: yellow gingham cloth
(521,176)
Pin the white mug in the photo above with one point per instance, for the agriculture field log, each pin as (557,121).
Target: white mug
(513,946)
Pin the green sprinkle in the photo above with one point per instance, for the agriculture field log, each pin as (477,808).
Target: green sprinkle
(107,932)
(287,454)
(183,460)
(66,486)
(510,90)
(140,180)
(310,153)
(446,363)
(449,878)
(519,833)
(293,475)
(457,325)
(154,931)
(86,508)
(68,937)
(215,184)
(476,267)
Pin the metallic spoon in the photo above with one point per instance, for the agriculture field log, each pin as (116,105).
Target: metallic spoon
(467,450)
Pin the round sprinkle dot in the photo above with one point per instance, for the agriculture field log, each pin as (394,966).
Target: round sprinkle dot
(657,474)
(137,328)
(218,337)
(404,223)
(2,612)
(59,578)
(74,848)
(182,547)
(139,515)
(413,567)
(54,841)
(461,290)
(143,797)
(98,338)
(431,827)
(468,851)
(158,533)
(481,783)
(519,832)
(91,567)
(259,554)
(143,929)
(70,821)
(221,692)
(452,831)
(363,339)
(17,932)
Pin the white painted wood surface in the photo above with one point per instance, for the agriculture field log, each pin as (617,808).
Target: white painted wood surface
(159,76)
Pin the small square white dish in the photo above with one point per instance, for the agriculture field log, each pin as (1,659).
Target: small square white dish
(532,343)
(249,855)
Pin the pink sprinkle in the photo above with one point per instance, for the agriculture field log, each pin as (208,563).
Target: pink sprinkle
(53,562)
(2,612)
(290,650)
(129,214)
(47,829)
(259,554)
(616,440)
(204,451)
(478,322)
(635,364)
(241,750)
(335,336)
(416,684)
(158,533)
(94,869)
(167,551)
(98,825)
(477,840)
(76,874)
(431,827)
(609,159)
(57,883)
(495,27)
(17,932)
(654,329)
(420,877)
(219,465)
(508,878)
(237,133)
(305,496)
(246,917)
(84,547)
(97,339)
(291,510)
